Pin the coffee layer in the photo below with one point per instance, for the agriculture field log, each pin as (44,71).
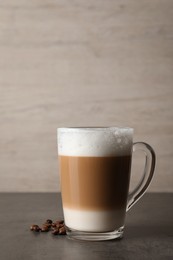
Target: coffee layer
(94,183)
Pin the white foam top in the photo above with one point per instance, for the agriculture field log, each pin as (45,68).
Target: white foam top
(104,141)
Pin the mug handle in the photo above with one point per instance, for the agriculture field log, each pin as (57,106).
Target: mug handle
(150,161)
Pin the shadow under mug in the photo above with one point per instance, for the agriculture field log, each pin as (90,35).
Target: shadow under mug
(95,168)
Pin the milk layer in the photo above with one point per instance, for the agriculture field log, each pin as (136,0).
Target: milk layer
(94,221)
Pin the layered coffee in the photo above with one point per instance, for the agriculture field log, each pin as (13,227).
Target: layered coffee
(94,172)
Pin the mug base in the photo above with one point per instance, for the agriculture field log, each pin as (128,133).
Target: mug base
(94,236)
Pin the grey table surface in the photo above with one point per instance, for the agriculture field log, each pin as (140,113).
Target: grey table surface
(148,232)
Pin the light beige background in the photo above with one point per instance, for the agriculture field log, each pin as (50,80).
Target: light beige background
(78,62)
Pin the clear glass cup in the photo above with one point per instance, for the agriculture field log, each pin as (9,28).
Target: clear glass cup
(95,168)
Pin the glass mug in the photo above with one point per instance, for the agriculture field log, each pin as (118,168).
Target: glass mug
(94,168)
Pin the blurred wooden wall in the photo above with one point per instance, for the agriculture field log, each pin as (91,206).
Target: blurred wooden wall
(78,62)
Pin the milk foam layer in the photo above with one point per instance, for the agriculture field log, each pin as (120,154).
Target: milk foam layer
(94,221)
(108,141)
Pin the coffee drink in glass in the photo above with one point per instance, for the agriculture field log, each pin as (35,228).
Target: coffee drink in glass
(94,167)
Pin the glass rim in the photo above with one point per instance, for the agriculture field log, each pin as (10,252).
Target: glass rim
(93,128)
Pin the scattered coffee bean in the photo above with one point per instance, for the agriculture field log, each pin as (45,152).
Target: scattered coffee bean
(57,227)
(49,221)
(47,225)
(55,231)
(62,231)
(44,228)
(53,225)
(32,227)
(35,228)
(60,221)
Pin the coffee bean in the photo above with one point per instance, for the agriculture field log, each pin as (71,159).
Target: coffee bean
(35,228)
(44,228)
(32,227)
(49,221)
(47,225)
(59,221)
(55,231)
(58,225)
(62,231)
(53,224)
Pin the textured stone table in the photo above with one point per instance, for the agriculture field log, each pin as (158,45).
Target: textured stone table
(148,233)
